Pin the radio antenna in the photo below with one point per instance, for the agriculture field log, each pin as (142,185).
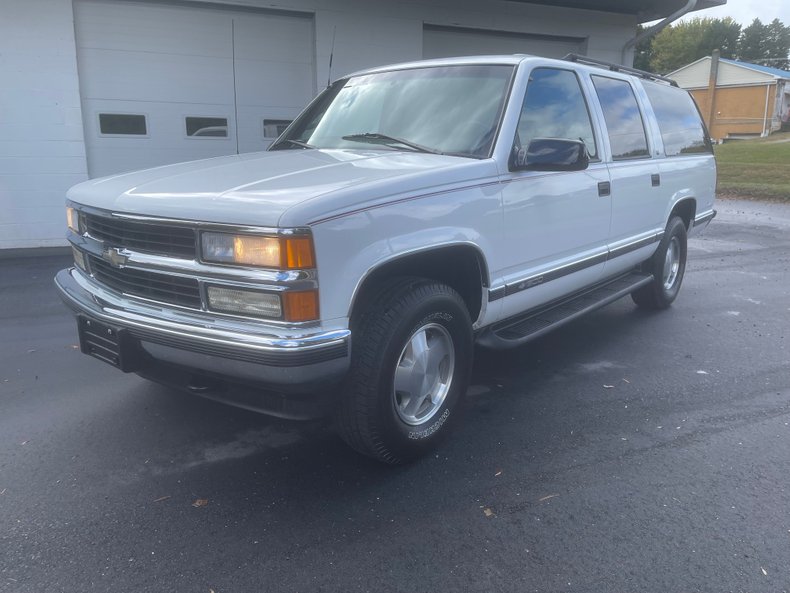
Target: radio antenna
(331,55)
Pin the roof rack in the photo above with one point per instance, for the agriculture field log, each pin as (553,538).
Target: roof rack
(619,68)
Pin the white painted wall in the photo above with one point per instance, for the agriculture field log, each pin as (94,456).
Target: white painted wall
(42,150)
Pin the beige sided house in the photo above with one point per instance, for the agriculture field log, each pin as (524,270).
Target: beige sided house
(737,99)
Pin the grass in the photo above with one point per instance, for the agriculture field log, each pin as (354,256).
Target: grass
(758,168)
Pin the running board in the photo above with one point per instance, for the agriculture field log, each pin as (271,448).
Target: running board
(533,324)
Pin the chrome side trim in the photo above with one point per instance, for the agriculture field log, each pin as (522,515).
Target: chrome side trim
(566,269)
(553,274)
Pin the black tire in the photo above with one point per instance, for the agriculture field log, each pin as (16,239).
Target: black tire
(657,295)
(367,412)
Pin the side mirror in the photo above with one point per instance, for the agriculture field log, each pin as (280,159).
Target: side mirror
(551,154)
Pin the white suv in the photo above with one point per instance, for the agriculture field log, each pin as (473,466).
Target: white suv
(408,213)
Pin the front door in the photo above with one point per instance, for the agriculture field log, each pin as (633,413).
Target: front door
(556,224)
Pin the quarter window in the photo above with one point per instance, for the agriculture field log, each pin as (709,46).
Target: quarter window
(554,107)
(122,124)
(678,119)
(623,118)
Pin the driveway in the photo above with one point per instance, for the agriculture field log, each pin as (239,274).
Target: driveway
(626,452)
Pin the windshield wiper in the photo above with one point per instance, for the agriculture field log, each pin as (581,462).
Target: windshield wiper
(374,136)
(296,143)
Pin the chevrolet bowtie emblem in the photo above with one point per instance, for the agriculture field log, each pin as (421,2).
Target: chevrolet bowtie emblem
(114,256)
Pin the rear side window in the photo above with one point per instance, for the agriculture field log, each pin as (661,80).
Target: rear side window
(681,126)
(623,118)
(554,107)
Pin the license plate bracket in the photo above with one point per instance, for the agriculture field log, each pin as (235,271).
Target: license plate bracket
(109,344)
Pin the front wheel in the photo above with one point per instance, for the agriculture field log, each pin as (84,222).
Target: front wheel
(410,365)
(668,265)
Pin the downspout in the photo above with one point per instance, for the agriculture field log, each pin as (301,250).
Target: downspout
(631,43)
(766,131)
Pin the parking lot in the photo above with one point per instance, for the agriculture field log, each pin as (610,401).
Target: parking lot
(626,452)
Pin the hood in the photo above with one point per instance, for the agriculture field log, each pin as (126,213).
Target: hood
(260,188)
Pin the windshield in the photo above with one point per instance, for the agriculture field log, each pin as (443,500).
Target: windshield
(449,110)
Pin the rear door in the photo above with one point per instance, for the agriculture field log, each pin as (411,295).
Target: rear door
(637,203)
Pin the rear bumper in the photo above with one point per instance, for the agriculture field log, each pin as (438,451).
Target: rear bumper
(287,359)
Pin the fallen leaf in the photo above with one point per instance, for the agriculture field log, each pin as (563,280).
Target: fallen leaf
(702,372)
(764,573)
(608,386)
(547,497)
(499,473)
(488,512)
(200,502)
(161,498)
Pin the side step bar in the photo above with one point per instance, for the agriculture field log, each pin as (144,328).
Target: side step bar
(533,324)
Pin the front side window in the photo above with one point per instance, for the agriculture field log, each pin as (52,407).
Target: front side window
(554,107)
(623,118)
(450,110)
(679,120)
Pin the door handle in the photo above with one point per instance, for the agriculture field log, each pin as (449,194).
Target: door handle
(655,179)
(604,188)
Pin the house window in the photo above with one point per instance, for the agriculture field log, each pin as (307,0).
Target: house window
(272,128)
(122,124)
(207,127)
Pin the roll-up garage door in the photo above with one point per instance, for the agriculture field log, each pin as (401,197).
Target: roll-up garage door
(162,83)
(445,42)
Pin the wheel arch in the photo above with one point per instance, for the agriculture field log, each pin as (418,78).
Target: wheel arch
(686,209)
(462,266)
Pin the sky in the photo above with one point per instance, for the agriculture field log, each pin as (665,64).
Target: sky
(745,11)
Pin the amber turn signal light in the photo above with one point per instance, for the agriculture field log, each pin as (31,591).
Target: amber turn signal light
(300,306)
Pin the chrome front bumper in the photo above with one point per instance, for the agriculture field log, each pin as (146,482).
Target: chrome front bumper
(279,358)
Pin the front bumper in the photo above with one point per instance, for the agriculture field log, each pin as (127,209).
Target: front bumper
(281,359)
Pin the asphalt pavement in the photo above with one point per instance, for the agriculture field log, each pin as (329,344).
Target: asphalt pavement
(626,452)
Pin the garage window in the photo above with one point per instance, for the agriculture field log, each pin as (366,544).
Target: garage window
(122,124)
(272,128)
(207,127)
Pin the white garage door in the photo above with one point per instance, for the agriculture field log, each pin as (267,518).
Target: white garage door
(166,83)
(446,42)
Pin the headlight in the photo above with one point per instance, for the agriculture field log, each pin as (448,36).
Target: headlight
(254,250)
(73,219)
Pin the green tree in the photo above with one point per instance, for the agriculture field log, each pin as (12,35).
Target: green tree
(643,52)
(687,41)
(751,47)
(778,45)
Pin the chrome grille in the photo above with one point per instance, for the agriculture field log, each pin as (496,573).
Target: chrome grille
(165,288)
(161,239)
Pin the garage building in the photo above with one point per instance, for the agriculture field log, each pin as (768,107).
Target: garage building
(737,99)
(97,87)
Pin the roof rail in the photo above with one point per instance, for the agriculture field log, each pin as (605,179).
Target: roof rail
(619,68)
